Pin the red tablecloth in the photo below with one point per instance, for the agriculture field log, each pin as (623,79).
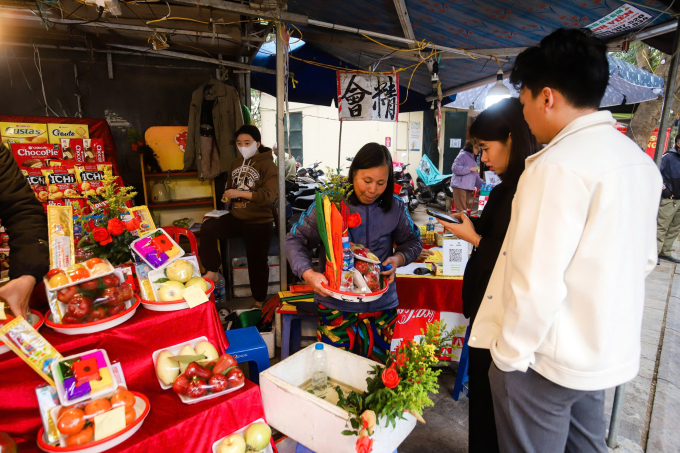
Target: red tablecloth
(171,425)
(439,294)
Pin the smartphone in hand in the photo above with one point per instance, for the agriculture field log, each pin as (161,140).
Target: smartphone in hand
(443,217)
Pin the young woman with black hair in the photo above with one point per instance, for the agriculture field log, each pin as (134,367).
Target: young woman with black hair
(252,187)
(384,221)
(505,141)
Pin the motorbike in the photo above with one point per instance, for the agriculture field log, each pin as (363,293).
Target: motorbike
(431,186)
(311,171)
(406,182)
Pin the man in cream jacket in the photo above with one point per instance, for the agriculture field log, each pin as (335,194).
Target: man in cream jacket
(563,310)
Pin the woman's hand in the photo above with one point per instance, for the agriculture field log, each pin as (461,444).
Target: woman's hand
(474,169)
(395,261)
(315,279)
(233,193)
(424,254)
(465,231)
(17,293)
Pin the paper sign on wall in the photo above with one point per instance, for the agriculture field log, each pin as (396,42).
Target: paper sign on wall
(368,97)
(455,143)
(415,136)
(455,257)
(624,18)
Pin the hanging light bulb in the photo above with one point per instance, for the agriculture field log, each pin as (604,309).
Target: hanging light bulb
(497,92)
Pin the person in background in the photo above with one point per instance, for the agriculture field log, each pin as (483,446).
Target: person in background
(505,141)
(25,222)
(290,164)
(668,219)
(465,177)
(251,189)
(562,314)
(362,328)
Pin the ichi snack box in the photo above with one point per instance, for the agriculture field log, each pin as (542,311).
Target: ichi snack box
(157,249)
(57,132)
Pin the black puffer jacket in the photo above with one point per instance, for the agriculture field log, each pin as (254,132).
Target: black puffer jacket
(24,219)
(670,171)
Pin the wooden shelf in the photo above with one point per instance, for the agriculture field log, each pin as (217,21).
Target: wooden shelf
(176,173)
(183,203)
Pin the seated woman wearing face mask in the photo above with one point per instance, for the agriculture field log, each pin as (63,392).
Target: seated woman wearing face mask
(252,187)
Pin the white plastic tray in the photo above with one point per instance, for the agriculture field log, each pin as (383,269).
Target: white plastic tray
(155,274)
(142,407)
(174,305)
(268,448)
(61,391)
(94,277)
(175,351)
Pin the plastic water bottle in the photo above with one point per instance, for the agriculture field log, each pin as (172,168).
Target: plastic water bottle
(319,368)
(347,255)
(220,291)
(429,236)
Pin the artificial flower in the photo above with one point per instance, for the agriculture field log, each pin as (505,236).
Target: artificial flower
(368,419)
(134,147)
(390,377)
(101,235)
(364,445)
(353,220)
(115,227)
(132,225)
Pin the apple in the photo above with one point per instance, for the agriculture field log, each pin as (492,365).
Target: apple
(180,271)
(54,272)
(125,290)
(110,297)
(186,350)
(258,436)
(166,370)
(235,378)
(59,280)
(92,262)
(74,267)
(90,285)
(111,280)
(100,268)
(233,443)
(170,291)
(197,281)
(208,350)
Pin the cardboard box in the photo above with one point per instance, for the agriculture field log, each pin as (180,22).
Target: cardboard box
(72,149)
(29,155)
(94,149)
(57,132)
(23,133)
(314,422)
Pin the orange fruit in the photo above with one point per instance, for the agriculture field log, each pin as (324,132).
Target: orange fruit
(97,407)
(80,438)
(130,415)
(71,421)
(123,397)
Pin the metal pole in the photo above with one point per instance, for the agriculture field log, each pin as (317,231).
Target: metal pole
(668,99)
(280,110)
(613,438)
(339,145)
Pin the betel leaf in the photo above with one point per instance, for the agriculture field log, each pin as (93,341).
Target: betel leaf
(162,280)
(347,432)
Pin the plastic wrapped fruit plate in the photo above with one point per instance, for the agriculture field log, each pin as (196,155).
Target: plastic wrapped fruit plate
(175,304)
(141,407)
(36,320)
(358,297)
(267,449)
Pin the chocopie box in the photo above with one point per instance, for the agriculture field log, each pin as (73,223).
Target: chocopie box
(72,149)
(94,150)
(30,155)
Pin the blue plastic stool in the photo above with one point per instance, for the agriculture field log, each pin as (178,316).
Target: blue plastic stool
(247,345)
(292,332)
(462,375)
(302,449)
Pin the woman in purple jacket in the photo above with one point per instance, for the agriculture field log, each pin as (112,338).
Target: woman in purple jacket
(465,178)
(385,221)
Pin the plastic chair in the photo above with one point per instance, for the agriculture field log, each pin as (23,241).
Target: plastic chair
(176,232)
(292,332)
(462,375)
(247,345)
(302,449)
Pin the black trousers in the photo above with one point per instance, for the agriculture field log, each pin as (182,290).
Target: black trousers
(482,428)
(256,237)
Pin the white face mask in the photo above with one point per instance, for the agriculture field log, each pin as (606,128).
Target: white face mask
(248,151)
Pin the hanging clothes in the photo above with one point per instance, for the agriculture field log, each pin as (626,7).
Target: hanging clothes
(214,117)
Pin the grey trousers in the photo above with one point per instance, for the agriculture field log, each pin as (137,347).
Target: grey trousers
(667,226)
(535,415)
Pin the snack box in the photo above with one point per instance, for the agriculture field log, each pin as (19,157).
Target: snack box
(35,155)
(157,249)
(57,132)
(23,133)
(96,271)
(84,376)
(94,150)
(72,149)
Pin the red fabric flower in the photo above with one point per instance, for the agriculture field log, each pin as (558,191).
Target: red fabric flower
(390,377)
(353,220)
(115,227)
(140,143)
(132,225)
(101,235)
(90,225)
(364,445)
(134,147)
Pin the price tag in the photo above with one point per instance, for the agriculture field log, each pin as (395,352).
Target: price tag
(109,423)
(194,296)
(2,311)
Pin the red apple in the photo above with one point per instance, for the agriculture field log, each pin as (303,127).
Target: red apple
(125,290)
(235,378)
(96,314)
(89,286)
(70,319)
(116,309)
(111,281)
(65,295)
(80,306)
(110,296)
(54,272)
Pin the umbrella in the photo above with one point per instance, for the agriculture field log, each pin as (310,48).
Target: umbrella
(628,84)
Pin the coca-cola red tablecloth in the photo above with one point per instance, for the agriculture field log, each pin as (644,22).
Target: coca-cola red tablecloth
(171,425)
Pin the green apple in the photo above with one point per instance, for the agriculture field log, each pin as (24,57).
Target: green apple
(258,436)
(170,291)
(232,444)
(198,281)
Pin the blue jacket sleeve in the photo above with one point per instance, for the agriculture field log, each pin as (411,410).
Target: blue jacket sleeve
(303,237)
(407,234)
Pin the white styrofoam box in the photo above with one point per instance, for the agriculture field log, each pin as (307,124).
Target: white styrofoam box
(316,423)
(244,291)
(241,275)
(268,338)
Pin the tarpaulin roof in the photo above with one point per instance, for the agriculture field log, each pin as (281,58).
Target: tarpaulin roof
(466,24)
